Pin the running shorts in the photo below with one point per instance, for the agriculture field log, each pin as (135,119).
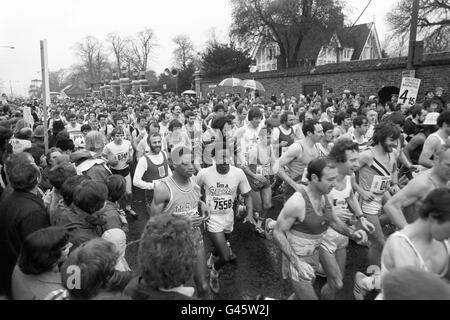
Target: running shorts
(373,207)
(220,223)
(306,250)
(333,241)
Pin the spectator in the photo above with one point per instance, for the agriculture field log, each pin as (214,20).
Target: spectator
(89,161)
(111,212)
(37,271)
(57,176)
(79,219)
(22,213)
(166,256)
(96,261)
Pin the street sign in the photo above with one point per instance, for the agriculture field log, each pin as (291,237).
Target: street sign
(409,90)
(408,73)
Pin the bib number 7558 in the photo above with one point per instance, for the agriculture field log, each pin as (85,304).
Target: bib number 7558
(223,204)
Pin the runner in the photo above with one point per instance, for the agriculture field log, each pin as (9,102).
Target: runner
(423,244)
(256,159)
(73,128)
(119,153)
(410,198)
(357,133)
(435,140)
(221,183)
(301,226)
(333,249)
(293,163)
(179,195)
(326,142)
(151,167)
(378,175)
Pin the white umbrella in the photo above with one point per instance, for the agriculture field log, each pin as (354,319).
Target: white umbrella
(231,82)
(189,92)
(254,85)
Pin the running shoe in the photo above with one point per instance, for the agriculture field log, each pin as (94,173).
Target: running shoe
(131,212)
(211,260)
(359,289)
(267,229)
(214,281)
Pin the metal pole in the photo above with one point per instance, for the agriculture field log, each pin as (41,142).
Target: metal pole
(413,34)
(45,89)
(10,88)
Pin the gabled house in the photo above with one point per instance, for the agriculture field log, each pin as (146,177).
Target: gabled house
(358,42)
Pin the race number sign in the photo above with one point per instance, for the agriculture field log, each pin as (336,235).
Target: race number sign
(27,116)
(409,90)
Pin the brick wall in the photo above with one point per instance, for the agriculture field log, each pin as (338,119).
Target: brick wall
(365,77)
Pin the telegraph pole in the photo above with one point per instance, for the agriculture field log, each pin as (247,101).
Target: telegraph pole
(45,89)
(413,34)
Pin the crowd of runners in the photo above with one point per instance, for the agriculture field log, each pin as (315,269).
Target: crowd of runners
(347,166)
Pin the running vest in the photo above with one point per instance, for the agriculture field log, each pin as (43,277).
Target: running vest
(420,262)
(155,172)
(376,178)
(338,199)
(298,166)
(313,224)
(183,202)
(289,138)
(361,145)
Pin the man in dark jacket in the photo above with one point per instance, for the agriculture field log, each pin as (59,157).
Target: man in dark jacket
(21,213)
(81,219)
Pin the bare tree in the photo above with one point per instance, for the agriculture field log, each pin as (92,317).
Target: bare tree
(87,50)
(141,47)
(118,46)
(433,23)
(184,53)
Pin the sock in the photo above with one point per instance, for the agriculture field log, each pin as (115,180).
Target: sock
(272,224)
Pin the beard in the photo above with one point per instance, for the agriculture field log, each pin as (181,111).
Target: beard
(155,149)
(223,170)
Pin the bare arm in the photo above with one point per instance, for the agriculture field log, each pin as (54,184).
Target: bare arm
(161,197)
(293,210)
(337,224)
(415,142)
(429,148)
(138,174)
(295,151)
(404,198)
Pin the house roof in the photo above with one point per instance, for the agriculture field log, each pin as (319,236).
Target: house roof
(350,37)
(313,43)
(355,37)
(73,90)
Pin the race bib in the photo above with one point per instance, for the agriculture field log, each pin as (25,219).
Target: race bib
(123,156)
(220,205)
(162,172)
(380,184)
(75,135)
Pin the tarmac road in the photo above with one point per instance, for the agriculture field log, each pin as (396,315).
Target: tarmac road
(258,267)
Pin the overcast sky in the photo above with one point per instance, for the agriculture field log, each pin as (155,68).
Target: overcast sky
(63,23)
